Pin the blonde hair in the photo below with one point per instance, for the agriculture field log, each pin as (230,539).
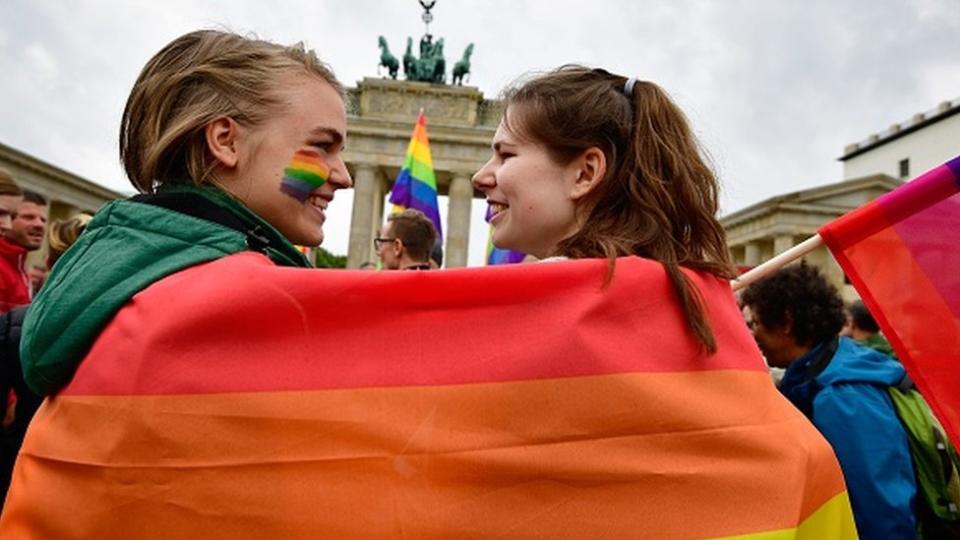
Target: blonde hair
(62,233)
(196,78)
(8,186)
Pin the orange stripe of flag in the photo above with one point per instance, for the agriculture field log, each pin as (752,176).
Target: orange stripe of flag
(562,458)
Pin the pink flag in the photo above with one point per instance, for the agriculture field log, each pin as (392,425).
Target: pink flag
(902,253)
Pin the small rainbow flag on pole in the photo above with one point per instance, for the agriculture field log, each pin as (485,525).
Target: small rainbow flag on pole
(496,255)
(416,185)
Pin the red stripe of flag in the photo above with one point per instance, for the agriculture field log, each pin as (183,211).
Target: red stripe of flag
(501,328)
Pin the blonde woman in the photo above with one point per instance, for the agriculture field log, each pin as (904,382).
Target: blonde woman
(210,130)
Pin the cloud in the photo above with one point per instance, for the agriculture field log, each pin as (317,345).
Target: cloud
(43,69)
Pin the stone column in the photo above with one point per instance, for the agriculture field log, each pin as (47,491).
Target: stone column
(751,253)
(781,243)
(458,221)
(365,192)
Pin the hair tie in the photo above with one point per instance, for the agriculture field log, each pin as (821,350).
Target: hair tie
(628,86)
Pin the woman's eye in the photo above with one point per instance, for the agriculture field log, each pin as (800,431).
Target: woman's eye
(505,156)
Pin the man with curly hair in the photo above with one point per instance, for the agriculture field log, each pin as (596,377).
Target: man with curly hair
(841,386)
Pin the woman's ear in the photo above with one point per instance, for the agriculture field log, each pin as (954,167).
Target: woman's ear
(590,168)
(222,134)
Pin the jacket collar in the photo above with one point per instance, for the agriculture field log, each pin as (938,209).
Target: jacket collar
(10,251)
(799,383)
(261,236)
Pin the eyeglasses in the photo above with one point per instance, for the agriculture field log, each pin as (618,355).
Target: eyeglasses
(379,242)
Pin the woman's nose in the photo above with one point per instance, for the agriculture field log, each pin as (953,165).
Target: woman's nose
(484,179)
(340,176)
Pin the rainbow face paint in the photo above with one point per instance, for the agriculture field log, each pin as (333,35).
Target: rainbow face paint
(306,172)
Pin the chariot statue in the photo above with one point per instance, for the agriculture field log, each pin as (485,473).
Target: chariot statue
(431,65)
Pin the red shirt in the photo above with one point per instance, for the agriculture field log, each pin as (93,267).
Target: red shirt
(14,281)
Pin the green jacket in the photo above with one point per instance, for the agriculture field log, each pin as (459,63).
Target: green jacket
(129,245)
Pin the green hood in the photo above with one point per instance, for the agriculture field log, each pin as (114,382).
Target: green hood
(128,246)
(880,343)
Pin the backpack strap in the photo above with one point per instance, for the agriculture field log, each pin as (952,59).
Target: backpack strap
(906,383)
(823,358)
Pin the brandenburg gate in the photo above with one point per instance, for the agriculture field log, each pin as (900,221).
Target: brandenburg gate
(380,119)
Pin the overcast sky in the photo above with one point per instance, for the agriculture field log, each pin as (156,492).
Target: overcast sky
(774,88)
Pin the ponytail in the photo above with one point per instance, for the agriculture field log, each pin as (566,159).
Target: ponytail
(659,198)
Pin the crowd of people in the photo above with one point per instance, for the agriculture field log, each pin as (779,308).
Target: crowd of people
(23,229)
(586,164)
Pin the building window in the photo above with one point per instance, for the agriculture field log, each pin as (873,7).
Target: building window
(904,168)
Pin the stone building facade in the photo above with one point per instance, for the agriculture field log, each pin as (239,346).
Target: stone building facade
(872,167)
(380,119)
(909,148)
(66,193)
(760,231)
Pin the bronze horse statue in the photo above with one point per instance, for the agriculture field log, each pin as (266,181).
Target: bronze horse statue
(410,61)
(462,67)
(387,60)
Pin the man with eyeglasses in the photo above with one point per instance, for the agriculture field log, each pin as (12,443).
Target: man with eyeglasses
(406,241)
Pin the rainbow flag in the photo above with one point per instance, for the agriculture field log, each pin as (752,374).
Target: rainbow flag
(902,253)
(518,401)
(416,185)
(496,255)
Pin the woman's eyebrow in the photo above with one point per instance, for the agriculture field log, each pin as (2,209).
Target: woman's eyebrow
(331,132)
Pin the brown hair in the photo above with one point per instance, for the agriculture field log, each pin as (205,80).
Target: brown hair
(196,78)
(8,186)
(62,233)
(34,197)
(416,231)
(659,197)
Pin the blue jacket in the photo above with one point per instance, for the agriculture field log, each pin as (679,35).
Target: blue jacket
(848,402)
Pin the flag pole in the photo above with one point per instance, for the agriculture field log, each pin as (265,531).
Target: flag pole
(759,272)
